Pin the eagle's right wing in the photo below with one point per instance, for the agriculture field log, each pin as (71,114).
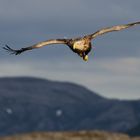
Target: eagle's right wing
(38,45)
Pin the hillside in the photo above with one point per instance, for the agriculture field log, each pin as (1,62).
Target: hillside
(83,135)
(31,104)
(134,131)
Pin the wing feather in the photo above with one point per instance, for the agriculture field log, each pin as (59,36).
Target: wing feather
(111,29)
(35,46)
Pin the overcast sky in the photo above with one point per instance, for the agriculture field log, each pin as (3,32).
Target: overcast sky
(113,69)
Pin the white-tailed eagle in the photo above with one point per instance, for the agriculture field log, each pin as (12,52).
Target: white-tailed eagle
(80,45)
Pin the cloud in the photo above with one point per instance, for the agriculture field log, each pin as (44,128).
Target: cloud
(125,66)
(116,78)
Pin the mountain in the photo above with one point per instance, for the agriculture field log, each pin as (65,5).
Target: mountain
(134,131)
(30,104)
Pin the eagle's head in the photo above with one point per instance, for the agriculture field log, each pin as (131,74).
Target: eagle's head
(82,47)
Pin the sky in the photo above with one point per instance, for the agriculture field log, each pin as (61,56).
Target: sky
(113,69)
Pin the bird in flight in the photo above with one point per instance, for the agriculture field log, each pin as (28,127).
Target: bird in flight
(80,45)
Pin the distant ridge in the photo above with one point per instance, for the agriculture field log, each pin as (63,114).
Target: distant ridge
(30,104)
(134,131)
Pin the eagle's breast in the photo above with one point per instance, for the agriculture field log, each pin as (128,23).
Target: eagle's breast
(81,45)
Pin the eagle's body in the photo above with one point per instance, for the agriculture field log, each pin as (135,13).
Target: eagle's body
(82,45)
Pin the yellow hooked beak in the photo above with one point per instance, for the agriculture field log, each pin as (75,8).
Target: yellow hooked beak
(85,58)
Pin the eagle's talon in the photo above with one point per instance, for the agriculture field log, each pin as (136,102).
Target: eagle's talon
(85,58)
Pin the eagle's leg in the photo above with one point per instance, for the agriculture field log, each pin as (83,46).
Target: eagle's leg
(84,56)
(81,54)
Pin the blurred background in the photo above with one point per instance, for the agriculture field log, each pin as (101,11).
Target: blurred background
(112,70)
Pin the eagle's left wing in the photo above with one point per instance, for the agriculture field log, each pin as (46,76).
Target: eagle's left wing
(111,29)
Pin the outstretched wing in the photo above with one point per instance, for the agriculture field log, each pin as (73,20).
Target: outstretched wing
(38,45)
(111,29)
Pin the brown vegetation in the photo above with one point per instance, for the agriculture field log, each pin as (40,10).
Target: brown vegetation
(82,135)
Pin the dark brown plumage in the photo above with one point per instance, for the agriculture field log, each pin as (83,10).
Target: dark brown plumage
(82,46)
